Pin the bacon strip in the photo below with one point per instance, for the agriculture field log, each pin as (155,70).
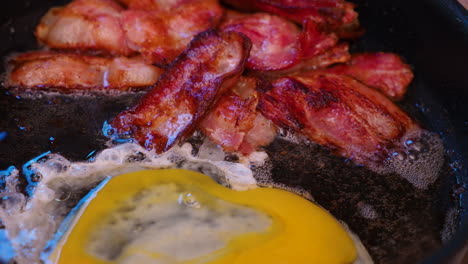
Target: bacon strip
(275,41)
(186,91)
(337,54)
(314,41)
(85,25)
(160,36)
(353,120)
(235,123)
(106,27)
(279,45)
(318,63)
(384,71)
(68,72)
(334,15)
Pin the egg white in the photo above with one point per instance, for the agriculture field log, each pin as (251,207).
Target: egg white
(38,225)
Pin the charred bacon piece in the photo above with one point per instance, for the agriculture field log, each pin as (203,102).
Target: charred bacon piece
(339,112)
(384,71)
(187,90)
(278,44)
(332,15)
(235,124)
(106,27)
(44,70)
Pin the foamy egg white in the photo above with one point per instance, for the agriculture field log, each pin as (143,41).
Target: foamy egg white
(32,224)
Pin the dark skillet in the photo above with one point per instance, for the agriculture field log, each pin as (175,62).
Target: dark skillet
(432,35)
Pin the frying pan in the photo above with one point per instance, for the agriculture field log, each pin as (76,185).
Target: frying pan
(413,226)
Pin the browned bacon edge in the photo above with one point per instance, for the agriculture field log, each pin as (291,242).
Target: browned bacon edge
(336,54)
(234,123)
(275,44)
(386,72)
(69,72)
(334,15)
(171,111)
(338,112)
(104,27)
(280,45)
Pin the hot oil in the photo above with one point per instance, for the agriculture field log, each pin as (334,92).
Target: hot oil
(405,220)
(397,209)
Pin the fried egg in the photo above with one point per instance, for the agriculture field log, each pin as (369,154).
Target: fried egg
(167,214)
(180,216)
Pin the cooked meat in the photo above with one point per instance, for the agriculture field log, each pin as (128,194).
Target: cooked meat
(314,41)
(332,15)
(85,25)
(106,27)
(336,54)
(188,89)
(161,36)
(384,71)
(339,112)
(280,45)
(235,124)
(43,70)
(262,133)
(275,41)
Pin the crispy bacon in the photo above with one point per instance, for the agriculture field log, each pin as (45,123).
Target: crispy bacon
(186,91)
(337,54)
(335,15)
(339,112)
(104,26)
(160,36)
(279,45)
(68,72)
(384,71)
(235,123)
(275,41)
(85,25)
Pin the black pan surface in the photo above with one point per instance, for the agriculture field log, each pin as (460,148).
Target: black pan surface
(411,226)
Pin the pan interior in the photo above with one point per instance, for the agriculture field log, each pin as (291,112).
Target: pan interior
(408,223)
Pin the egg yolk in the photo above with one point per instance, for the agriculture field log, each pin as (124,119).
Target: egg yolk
(181,216)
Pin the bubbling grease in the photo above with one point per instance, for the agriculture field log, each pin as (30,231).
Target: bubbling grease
(60,184)
(417,157)
(36,224)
